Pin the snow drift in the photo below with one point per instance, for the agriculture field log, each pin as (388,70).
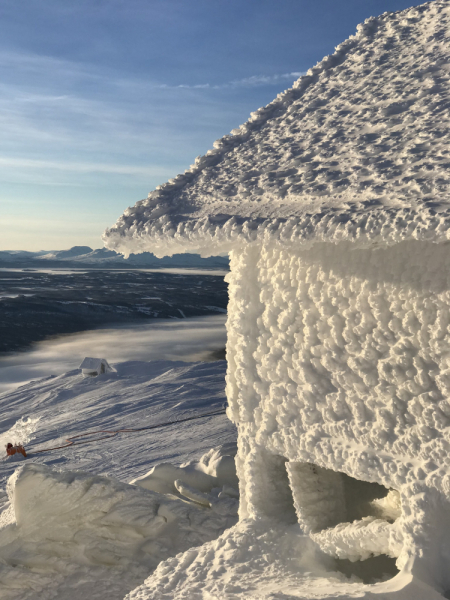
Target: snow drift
(258,560)
(77,533)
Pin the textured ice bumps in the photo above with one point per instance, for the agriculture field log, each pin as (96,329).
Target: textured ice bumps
(357,148)
(339,358)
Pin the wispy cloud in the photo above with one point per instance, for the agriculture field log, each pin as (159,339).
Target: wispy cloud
(80,167)
(52,109)
(266,79)
(71,71)
(79,130)
(247,82)
(60,115)
(41,99)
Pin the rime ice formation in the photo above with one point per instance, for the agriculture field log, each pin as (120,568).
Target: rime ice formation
(334,204)
(357,149)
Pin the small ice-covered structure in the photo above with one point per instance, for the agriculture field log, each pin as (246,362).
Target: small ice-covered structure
(334,204)
(91,367)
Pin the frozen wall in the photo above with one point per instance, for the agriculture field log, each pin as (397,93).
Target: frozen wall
(340,357)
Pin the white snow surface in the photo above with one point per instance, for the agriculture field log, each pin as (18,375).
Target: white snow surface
(266,560)
(44,413)
(71,523)
(357,149)
(70,533)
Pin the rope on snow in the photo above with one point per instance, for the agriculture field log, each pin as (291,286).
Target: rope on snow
(112,433)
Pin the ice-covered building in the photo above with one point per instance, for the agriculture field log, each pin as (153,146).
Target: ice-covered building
(92,367)
(334,204)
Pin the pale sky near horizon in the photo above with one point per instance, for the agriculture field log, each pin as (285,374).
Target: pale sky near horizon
(103,100)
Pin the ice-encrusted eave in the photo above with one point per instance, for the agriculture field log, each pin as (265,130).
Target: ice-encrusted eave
(212,235)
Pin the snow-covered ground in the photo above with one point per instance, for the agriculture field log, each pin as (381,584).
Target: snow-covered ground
(137,394)
(267,561)
(71,522)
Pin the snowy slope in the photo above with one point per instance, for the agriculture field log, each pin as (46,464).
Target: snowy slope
(357,150)
(137,394)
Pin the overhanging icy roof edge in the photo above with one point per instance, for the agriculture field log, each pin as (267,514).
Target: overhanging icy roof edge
(356,150)
(210,236)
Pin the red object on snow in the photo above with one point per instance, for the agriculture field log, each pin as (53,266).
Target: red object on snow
(17,449)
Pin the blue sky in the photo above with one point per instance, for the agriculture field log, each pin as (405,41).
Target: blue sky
(102,100)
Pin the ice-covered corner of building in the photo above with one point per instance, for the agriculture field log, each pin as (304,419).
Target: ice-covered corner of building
(92,367)
(333,202)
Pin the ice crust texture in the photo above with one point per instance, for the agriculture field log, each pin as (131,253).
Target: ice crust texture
(338,358)
(343,357)
(356,150)
(261,561)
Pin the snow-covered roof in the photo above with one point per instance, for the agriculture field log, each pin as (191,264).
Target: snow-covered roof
(93,364)
(357,149)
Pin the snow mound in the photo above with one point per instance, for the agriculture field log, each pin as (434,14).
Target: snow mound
(215,469)
(356,150)
(263,560)
(73,532)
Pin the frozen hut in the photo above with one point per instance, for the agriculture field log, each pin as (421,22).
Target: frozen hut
(91,367)
(334,204)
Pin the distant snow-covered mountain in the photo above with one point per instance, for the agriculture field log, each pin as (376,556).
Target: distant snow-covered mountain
(84,256)
(74,252)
